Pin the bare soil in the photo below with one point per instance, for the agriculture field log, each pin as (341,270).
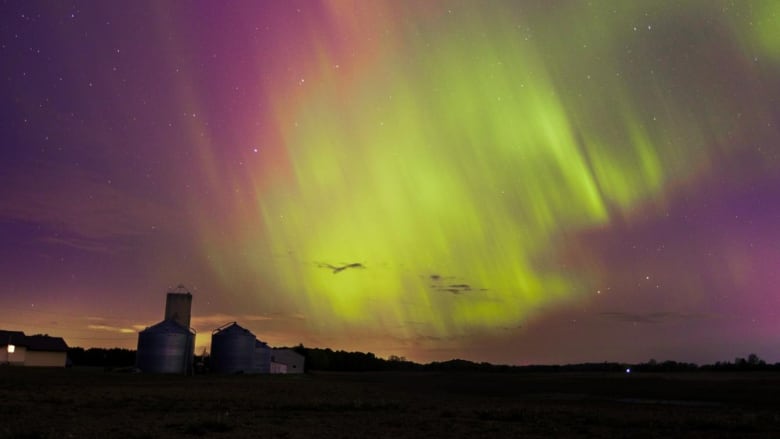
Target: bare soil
(81,403)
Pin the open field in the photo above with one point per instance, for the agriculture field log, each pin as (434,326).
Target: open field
(62,403)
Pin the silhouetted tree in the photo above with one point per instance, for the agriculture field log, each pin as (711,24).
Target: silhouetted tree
(100,357)
(755,361)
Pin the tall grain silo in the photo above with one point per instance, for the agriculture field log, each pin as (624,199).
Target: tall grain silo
(232,349)
(169,346)
(178,306)
(166,347)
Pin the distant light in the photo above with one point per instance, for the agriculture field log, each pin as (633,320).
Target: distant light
(11,348)
(628,370)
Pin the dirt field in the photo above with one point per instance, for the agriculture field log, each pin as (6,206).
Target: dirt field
(72,403)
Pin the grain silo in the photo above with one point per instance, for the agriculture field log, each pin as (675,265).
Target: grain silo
(166,347)
(232,349)
(262,360)
(169,346)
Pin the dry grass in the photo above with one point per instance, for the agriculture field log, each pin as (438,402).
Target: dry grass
(49,403)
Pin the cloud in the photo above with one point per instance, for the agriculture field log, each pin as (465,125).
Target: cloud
(649,317)
(77,208)
(76,242)
(336,269)
(214,321)
(453,288)
(112,329)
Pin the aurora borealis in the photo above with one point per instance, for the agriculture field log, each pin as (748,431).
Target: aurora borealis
(508,181)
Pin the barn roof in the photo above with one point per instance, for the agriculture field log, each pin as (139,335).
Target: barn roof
(288,351)
(45,343)
(11,337)
(33,342)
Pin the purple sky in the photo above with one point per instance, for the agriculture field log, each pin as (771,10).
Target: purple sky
(599,182)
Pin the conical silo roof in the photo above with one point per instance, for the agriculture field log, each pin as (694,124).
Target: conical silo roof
(167,326)
(232,349)
(232,329)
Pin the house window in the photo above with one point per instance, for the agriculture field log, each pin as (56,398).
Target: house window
(11,348)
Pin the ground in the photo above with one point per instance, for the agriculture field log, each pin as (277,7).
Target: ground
(82,403)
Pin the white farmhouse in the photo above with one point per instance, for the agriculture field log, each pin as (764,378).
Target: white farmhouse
(17,349)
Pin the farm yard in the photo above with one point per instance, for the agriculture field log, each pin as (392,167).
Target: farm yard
(83,403)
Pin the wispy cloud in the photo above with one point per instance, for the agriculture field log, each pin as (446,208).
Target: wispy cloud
(77,208)
(336,269)
(90,245)
(453,286)
(649,317)
(112,329)
(215,320)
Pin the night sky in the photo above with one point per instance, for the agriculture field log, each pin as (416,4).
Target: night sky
(506,181)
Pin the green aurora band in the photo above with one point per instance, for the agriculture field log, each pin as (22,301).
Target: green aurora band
(456,164)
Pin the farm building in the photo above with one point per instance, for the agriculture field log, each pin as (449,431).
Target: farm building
(262,357)
(235,349)
(19,349)
(278,368)
(232,349)
(169,346)
(286,361)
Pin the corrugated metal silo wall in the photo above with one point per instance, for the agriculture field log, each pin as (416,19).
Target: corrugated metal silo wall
(262,359)
(165,352)
(232,351)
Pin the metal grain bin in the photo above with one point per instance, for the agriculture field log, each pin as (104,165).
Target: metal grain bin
(166,347)
(232,349)
(262,360)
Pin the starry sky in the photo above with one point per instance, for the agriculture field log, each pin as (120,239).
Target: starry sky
(507,181)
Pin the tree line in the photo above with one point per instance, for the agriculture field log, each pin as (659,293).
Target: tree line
(324,359)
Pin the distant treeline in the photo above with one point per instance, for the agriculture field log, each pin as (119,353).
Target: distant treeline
(343,361)
(114,357)
(330,360)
